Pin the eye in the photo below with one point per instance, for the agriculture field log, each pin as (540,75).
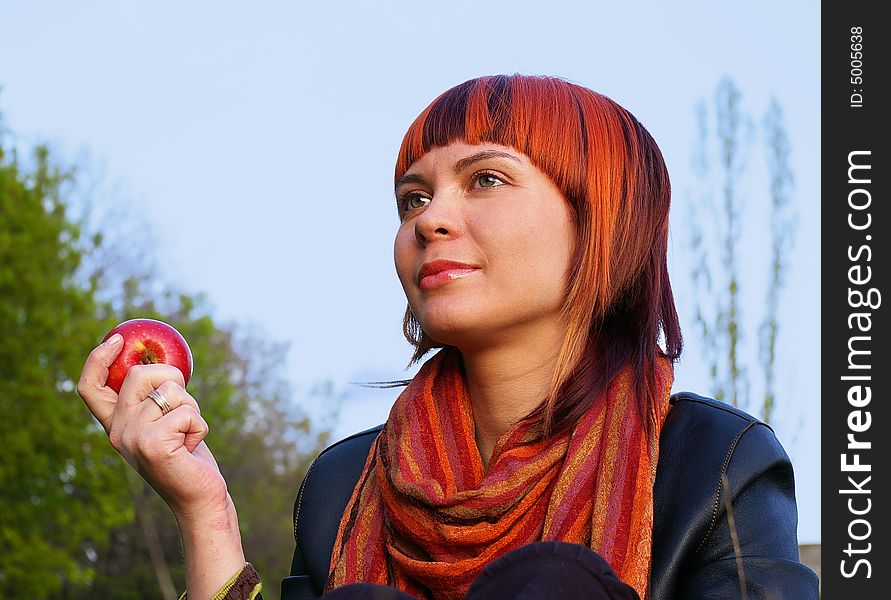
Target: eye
(488,180)
(413,201)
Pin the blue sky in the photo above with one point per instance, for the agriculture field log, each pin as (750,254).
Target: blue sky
(252,148)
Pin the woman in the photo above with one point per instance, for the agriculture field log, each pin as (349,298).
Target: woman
(532,251)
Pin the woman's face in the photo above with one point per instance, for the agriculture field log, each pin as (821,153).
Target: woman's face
(484,246)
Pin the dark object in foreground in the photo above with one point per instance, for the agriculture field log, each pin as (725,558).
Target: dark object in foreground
(538,570)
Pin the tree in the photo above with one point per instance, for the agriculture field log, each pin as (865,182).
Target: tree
(783,232)
(720,160)
(62,485)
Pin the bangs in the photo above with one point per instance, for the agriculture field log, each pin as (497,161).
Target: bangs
(538,116)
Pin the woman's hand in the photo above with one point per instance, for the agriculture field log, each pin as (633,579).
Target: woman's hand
(167,450)
(170,454)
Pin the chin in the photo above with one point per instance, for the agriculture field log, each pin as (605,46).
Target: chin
(462,321)
(464,334)
(444,335)
(449,327)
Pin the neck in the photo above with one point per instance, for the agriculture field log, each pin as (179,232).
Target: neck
(505,384)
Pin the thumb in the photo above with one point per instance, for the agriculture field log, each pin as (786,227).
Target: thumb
(111,347)
(106,353)
(91,386)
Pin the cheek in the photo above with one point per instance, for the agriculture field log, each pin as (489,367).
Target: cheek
(550,247)
(404,255)
(565,249)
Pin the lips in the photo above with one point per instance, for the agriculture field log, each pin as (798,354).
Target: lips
(439,272)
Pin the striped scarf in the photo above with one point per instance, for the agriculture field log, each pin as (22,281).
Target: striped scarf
(426,516)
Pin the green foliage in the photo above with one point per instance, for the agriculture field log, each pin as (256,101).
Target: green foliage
(62,483)
(74,520)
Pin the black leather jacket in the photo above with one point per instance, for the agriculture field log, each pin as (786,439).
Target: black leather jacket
(693,555)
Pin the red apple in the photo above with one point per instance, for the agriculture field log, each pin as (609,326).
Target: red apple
(147,341)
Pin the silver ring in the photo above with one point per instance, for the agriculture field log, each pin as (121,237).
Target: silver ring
(161,401)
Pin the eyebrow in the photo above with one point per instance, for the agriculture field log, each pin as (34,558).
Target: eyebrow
(411,178)
(483,155)
(460,165)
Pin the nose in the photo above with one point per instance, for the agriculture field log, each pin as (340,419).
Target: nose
(440,220)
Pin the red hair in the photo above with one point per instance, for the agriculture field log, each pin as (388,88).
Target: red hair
(611,172)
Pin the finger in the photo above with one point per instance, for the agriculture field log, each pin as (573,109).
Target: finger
(173,394)
(190,425)
(142,380)
(177,395)
(99,398)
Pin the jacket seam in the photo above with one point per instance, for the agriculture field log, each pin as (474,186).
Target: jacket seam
(719,405)
(300,500)
(718,493)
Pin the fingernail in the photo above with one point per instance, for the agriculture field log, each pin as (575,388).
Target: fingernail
(114,340)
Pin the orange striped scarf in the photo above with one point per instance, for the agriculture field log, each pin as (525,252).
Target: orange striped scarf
(426,517)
